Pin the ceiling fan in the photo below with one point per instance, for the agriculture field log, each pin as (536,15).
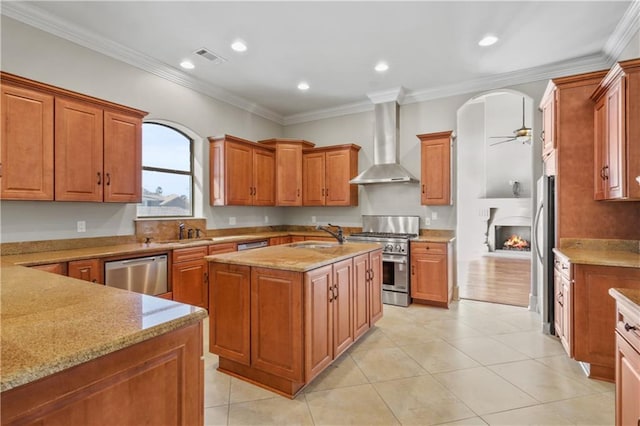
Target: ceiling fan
(523,134)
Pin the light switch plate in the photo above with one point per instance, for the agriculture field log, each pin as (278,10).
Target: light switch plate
(427,221)
(266,219)
(313,219)
(434,215)
(81,226)
(232,220)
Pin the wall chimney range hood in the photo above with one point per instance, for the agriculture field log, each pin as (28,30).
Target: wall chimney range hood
(386,148)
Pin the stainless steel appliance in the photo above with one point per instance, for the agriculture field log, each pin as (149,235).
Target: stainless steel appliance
(252,245)
(394,234)
(544,239)
(147,275)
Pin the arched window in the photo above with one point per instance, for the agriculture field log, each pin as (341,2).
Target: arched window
(167,172)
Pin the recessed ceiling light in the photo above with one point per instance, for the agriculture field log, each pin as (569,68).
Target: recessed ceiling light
(303,85)
(488,40)
(239,46)
(188,65)
(381,66)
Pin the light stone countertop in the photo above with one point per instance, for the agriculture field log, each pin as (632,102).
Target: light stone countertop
(433,239)
(51,322)
(625,259)
(290,258)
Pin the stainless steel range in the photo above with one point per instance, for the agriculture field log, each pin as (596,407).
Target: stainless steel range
(393,233)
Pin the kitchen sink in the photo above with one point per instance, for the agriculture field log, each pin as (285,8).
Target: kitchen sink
(313,245)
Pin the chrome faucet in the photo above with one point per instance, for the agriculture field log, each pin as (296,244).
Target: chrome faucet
(337,235)
(181,231)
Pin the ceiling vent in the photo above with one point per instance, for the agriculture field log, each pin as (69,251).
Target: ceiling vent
(209,55)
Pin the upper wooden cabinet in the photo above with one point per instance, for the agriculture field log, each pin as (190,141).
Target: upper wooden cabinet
(548,135)
(435,181)
(242,173)
(288,169)
(326,173)
(27,144)
(617,133)
(97,145)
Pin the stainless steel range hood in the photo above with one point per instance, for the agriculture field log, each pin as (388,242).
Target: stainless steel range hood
(386,149)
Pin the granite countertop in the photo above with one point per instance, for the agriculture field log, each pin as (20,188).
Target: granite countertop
(622,258)
(629,295)
(434,239)
(51,322)
(44,257)
(290,258)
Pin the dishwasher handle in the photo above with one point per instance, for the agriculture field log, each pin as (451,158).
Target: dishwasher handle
(140,260)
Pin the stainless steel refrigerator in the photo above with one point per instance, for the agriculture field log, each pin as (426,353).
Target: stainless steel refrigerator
(545,237)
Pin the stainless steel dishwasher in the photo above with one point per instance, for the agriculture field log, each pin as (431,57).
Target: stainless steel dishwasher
(147,275)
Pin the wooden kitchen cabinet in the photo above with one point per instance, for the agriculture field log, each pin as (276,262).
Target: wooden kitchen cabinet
(54,268)
(435,180)
(80,148)
(326,173)
(288,169)
(375,286)
(367,291)
(189,276)
(276,241)
(242,173)
(627,357)
(277,326)
(26,149)
(230,312)
(616,155)
(87,270)
(222,248)
(548,139)
(594,315)
(431,273)
(563,302)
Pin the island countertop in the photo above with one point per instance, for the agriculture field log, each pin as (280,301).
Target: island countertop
(51,322)
(295,257)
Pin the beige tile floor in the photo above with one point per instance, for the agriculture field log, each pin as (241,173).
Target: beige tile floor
(474,364)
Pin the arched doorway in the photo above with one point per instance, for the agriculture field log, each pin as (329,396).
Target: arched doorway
(495,193)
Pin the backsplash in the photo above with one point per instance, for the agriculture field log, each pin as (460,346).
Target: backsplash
(167,229)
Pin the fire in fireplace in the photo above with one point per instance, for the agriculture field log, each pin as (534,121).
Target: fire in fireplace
(513,238)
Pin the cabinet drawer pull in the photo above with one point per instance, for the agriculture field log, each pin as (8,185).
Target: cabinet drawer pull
(413,269)
(108,179)
(366,275)
(542,136)
(372,274)
(630,327)
(606,175)
(326,192)
(298,192)
(337,293)
(99,178)
(330,294)
(323,192)
(423,188)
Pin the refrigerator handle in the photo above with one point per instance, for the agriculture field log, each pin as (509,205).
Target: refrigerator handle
(536,222)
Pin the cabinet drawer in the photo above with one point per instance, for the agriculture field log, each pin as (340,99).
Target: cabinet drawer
(186,254)
(222,248)
(562,266)
(428,248)
(628,326)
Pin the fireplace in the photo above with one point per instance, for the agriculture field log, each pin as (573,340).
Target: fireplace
(512,238)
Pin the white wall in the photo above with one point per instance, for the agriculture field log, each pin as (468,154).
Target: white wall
(34,54)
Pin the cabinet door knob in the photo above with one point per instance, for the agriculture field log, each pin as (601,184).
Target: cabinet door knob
(629,327)
(423,188)
(99,178)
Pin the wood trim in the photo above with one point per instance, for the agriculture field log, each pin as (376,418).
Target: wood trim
(58,91)
(332,148)
(437,135)
(275,141)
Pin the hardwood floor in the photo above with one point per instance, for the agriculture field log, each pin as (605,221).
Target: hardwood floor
(496,280)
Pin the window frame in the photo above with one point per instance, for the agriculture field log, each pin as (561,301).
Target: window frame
(173,171)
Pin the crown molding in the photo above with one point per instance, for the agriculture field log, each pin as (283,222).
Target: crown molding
(628,26)
(36,17)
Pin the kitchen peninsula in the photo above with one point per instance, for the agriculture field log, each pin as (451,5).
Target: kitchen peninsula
(81,353)
(280,315)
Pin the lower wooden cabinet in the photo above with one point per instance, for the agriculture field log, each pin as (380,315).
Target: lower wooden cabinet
(431,273)
(627,356)
(155,382)
(276,241)
(55,268)
(222,248)
(189,276)
(87,270)
(282,328)
(594,315)
(563,302)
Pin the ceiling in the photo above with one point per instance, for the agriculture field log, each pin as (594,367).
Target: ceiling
(431,47)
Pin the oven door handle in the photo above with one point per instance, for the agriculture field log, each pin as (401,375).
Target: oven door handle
(395,259)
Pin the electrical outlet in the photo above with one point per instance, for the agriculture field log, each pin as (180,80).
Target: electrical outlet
(434,215)
(232,220)
(266,219)
(313,219)
(427,221)
(81,226)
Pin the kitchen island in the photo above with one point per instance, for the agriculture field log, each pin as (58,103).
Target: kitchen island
(280,315)
(74,352)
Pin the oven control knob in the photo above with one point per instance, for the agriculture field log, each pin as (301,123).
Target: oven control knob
(388,247)
(398,248)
